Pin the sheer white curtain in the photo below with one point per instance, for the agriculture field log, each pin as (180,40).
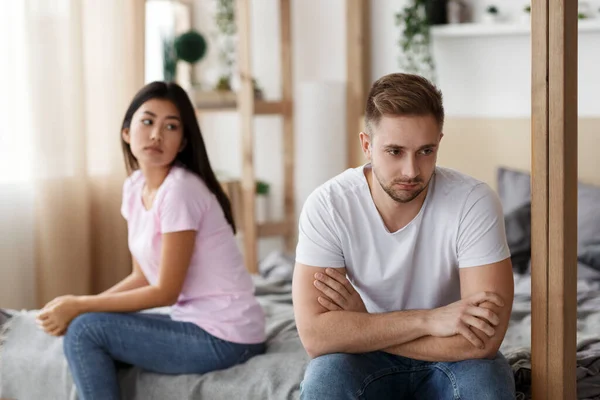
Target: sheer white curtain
(68,70)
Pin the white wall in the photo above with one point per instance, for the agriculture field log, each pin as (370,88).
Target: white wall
(484,74)
(487,75)
(384,37)
(319,54)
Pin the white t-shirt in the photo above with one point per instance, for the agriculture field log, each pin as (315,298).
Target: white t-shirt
(460,225)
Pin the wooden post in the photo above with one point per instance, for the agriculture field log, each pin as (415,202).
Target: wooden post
(288,124)
(358,58)
(562,204)
(554,197)
(539,198)
(246,111)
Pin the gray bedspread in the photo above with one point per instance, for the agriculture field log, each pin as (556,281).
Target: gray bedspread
(32,365)
(517,342)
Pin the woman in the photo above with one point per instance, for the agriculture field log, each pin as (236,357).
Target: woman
(181,237)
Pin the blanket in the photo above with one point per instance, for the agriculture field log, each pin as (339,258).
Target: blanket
(517,342)
(32,364)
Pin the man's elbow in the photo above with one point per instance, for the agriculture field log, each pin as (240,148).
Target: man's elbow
(313,342)
(489,352)
(314,352)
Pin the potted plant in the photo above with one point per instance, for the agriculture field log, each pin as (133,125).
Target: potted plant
(415,48)
(526,15)
(491,15)
(191,48)
(262,201)
(225,20)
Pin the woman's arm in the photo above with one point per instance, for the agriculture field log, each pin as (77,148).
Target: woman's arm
(177,250)
(134,280)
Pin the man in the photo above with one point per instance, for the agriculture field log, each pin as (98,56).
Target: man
(403,284)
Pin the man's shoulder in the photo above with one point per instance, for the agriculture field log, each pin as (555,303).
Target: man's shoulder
(340,185)
(456,190)
(452,178)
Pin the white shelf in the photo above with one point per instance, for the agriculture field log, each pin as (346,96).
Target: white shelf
(499,29)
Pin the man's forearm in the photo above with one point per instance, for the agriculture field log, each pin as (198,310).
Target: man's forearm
(439,349)
(450,349)
(357,332)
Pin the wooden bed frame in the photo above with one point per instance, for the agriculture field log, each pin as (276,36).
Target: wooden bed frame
(554,169)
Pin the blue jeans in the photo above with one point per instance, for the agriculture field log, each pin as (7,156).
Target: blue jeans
(95,341)
(381,376)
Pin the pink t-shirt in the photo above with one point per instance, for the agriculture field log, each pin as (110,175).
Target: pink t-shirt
(218,293)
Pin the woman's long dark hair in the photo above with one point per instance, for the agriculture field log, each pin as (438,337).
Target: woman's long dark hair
(193,156)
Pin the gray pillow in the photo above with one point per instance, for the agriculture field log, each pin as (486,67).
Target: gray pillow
(518,237)
(514,190)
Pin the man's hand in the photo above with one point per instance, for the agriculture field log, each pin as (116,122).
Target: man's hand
(339,292)
(458,317)
(453,319)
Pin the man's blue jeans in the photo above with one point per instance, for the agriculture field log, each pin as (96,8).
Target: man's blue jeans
(382,376)
(153,342)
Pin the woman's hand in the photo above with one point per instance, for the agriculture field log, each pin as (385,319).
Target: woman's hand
(56,316)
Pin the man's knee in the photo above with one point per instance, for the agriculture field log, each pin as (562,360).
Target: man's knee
(485,379)
(329,377)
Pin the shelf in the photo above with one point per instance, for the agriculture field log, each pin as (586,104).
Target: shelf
(499,29)
(260,107)
(273,229)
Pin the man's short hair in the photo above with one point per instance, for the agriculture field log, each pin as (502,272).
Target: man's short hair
(400,94)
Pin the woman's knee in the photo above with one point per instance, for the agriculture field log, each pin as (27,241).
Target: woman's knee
(82,328)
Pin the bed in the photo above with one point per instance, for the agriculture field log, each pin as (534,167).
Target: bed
(32,365)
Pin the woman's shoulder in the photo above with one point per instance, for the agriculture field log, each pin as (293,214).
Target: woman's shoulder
(185,184)
(134,180)
(181,177)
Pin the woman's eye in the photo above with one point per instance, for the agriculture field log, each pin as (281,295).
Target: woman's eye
(147,121)
(171,127)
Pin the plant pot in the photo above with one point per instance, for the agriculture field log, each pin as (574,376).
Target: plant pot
(437,12)
(214,99)
(262,208)
(489,18)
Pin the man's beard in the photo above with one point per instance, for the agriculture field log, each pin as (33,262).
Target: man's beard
(403,196)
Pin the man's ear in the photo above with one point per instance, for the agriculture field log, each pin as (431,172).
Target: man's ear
(125,135)
(365,144)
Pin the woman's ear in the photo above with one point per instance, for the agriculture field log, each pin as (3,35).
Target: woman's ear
(125,135)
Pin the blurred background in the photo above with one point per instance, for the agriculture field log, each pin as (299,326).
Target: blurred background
(70,67)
